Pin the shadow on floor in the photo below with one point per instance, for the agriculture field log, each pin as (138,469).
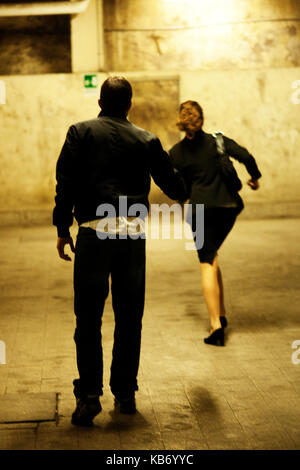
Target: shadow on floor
(202,400)
(121,422)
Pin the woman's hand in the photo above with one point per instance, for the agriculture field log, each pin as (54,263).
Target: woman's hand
(254,184)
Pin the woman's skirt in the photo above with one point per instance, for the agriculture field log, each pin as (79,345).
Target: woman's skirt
(218,221)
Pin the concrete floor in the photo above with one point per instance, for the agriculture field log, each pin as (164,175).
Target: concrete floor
(192,396)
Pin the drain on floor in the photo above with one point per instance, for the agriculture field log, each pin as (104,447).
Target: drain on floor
(29,408)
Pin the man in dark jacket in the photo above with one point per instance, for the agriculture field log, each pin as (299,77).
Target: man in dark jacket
(103,161)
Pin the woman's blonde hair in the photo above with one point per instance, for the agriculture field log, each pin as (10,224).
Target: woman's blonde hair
(190,118)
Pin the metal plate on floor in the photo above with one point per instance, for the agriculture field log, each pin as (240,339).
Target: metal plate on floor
(28,407)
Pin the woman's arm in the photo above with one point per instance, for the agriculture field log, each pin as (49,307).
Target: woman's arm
(242,155)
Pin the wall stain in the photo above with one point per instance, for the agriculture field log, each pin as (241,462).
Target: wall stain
(261,87)
(292,30)
(258,50)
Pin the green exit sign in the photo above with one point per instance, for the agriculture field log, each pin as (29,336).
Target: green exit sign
(91,81)
(90,84)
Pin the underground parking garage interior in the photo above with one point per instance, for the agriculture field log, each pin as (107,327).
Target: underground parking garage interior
(240,61)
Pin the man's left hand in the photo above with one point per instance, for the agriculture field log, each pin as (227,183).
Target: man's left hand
(61,243)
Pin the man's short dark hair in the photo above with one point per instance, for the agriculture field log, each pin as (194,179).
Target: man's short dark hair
(115,95)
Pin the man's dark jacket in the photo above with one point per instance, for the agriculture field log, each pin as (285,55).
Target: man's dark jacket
(103,159)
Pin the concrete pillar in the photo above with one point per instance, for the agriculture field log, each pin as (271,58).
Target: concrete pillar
(87,39)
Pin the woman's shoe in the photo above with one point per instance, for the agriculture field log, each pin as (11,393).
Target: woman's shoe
(216,338)
(223,321)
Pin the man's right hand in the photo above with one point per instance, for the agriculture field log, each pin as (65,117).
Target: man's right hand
(61,243)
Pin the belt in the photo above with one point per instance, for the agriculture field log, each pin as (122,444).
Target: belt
(116,225)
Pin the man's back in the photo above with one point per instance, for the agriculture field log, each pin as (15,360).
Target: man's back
(105,158)
(114,159)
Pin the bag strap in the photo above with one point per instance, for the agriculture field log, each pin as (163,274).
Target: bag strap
(220,142)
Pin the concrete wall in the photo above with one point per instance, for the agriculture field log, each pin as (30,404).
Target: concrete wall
(240,59)
(33,124)
(240,62)
(39,109)
(35,45)
(173,35)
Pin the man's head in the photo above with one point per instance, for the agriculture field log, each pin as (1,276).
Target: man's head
(115,96)
(190,118)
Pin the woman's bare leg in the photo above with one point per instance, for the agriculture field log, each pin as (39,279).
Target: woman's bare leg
(212,292)
(221,287)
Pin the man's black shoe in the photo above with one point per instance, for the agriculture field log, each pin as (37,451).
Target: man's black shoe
(86,410)
(125,405)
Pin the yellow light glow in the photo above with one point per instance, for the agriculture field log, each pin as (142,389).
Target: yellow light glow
(219,12)
(176,1)
(182,1)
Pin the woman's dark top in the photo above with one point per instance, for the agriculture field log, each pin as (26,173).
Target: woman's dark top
(196,161)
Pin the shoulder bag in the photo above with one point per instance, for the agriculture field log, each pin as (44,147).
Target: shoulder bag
(225,166)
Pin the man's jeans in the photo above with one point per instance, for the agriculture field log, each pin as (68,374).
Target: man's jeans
(95,260)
